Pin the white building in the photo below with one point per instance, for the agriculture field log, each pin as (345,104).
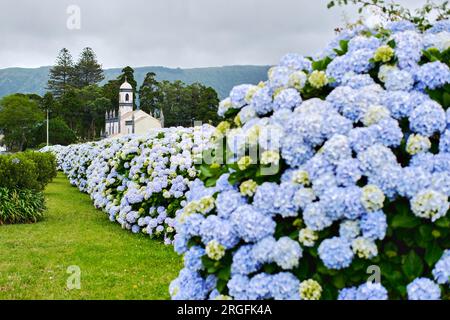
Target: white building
(127,120)
(2,148)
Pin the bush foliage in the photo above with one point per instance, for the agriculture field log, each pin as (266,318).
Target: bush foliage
(21,206)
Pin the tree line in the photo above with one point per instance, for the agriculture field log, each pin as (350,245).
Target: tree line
(77,100)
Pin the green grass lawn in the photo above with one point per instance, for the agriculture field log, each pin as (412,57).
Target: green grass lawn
(114,263)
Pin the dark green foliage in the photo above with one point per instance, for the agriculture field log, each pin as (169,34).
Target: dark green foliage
(149,94)
(46,167)
(61,74)
(17,171)
(21,206)
(19,115)
(27,170)
(87,71)
(183,104)
(60,133)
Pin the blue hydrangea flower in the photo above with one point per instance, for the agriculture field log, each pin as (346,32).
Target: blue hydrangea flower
(428,118)
(283,201)
(192,258)
(388,132)
(400,26)
(315,217)
(409,46)
(260,286)
(348,294)
(262,101)
(287,99)
(238,286)
(237,95)
(423,289)
(264,199)
(399,80)
(192,225)
(227,202)
(295,151)
(440,26)
(363,42)
(223,231)
(287,253)
(444,142)
(348,172)
(188,286)
(374,225)
(371,291)
(333,202)
(252,225)
(243,262)
(357,81)
(353,204)
(433,75)
(263,250)
(285,286)
(349,229)
(399,103)
(336,253)
(441,271)
(412,180)
(296,62)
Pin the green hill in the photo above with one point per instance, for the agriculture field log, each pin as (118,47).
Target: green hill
(222,79)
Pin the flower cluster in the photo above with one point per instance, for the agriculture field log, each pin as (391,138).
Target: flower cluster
(139,181)
(351,169)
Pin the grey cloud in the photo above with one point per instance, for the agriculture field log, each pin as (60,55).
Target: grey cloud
(174,33)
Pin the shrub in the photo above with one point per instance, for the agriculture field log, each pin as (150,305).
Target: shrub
(360,136)
(46,167)
(139,181)
(17,171)
(27,170)
(60,133)
(21,206)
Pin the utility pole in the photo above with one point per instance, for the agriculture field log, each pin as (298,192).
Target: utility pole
(47,129)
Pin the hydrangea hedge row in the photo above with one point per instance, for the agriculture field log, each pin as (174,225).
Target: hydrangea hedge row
(360,135)
(139,181)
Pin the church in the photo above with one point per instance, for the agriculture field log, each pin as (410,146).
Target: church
(129,121)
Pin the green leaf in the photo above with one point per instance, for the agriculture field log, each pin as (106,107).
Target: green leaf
(425,232)
(405,221)
(206,171)
(443,222)
(338,281)
(412,266)
(392,44)
(224,273)
(221,285)
(446,100)
(433,253)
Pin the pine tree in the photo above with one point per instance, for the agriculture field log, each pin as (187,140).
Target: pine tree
(88,71)
(149,94)
(61,74)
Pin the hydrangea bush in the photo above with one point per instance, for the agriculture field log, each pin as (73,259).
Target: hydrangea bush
(359,137)
(139,181)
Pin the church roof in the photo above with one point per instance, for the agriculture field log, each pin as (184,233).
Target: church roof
(126,85)
(138,115)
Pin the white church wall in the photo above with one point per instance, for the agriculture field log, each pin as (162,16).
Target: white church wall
(145,125)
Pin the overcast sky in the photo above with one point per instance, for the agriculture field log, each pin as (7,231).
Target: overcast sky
(173,33)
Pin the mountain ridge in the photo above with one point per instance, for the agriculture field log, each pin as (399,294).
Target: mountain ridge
(222,78)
